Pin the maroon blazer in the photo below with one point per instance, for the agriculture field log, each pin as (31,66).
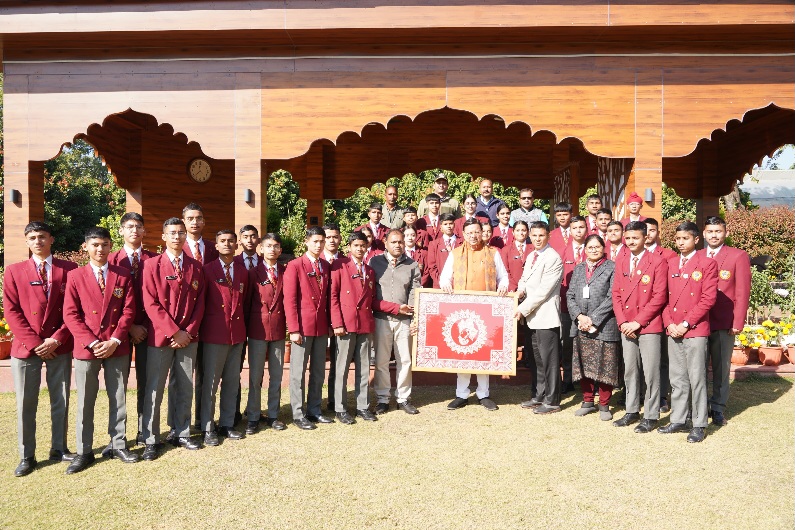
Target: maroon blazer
(31,314)
(172,305)
(92,316)
(691,297)
(210,252)
(423,240)
(424,223)
(266,319)
(666,253)
(437,256)
(498,241)
(734,289)
(373,252)
(241,259)
(569,264)
(459,225)
(642,296)
(514,263)
(609,251)
(351,300)
(420,255)
(380,234)
(557,242)
(306,304)
(625,220)
(224,321)
(120,259)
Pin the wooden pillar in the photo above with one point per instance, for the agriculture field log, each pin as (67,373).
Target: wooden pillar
(250,183)
(647,167)
(574,188)
(313,192)
(708,202)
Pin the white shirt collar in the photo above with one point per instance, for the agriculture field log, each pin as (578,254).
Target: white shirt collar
(689,255)
(47,260)
(715,251)
(96,269)
(130,251)
(652,247)
(172,256)
(640,256)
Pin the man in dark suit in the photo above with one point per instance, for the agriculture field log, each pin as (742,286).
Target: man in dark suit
(692,288)
(173,294)
(727,316)
(266,331)
(132,257)
(99,308)
(440,248)
(306,288)
(33,307)
(352,290)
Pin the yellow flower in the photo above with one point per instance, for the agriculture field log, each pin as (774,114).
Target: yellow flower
(747,329)
(741,337)
(768,323)
(773,333)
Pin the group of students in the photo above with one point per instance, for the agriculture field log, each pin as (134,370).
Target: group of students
(189,313)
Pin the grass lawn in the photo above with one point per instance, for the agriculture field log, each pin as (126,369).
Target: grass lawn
(440,469)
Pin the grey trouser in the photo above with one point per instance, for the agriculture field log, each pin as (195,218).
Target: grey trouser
(140,379)
(352,347)
(391,331)
(312,352)
(158,363)
(116,371)
(547,357)
(567,345)
(221,365)
(27,382)
(258,352)
(642,363)
(198,373)
(720,355)
(687,361)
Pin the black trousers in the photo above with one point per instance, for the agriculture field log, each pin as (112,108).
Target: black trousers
(547,359)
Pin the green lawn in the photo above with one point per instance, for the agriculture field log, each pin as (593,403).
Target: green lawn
(440,469)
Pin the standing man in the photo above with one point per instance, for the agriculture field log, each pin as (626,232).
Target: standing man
(391,213)
(634,204)
(474,267)
(593,204)
(352,289)
(173,294)
(603,218)
(306,289)
(540,286)
(692,288)
(378,228)
(99,308)
(573,255)
(249,241)
(396,276)
(488,204)
(223,332)
(331,253)
(33,300)
(431,222)
(614,246)
(441,248)
(559,237)
(640,291)
(132,257)
(653,240)
(266,331)
(727,316)
(527,211)
(448,204)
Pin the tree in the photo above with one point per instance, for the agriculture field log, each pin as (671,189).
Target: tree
(675,207)
(783,152)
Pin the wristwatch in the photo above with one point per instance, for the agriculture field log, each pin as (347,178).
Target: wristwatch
(685,324)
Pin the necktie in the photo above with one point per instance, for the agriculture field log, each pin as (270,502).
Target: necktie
(613,254)
(578,254)
(433,223)
(318,272)
(566,236)
(43,275)
(448,245)
(711,254)
(535,258)
(520,247)
(228,273)
(682,266)
(250,263)
(178,269)
(135,264)
(361,272)
(410,252)
(198,253)
(504,233)
(101,281)
(272,274)
(633,264)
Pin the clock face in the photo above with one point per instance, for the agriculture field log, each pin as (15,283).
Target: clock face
(200,170)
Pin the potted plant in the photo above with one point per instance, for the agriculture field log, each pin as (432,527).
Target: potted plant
(5,339)
(741,353)
(769,338)
(788,337)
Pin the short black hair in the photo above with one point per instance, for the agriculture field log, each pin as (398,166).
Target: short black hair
(357,236)
(249,228)
(617,223)
(651,221)
(409,209)
(592,197)
(331,226)
(640,226)
(578,219)
(433,197)
(315,231)
(502,207)
(562,207)
(225,231)
(131,216)
(272,236)
(472,221)
(594,236)
(96,232)
(540,224)
(714,220)
(446,217)
(172,221)
(192,206)
(689,227)
(38,226)
(393,231)
(605,211)
(520,222)
(374,206)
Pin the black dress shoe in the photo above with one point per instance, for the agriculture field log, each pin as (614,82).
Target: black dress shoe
(646,425)
(345,418)
(488,404)
(305,424)
(25,467)
(696,435)
(408,408)
(319,419)
(566,388)
(171,436)
(252,427)
(628,419)
(531,404)
(150,452)
(664,406)
(672,428)
(382,408)
(366,415)
(230,433)
(718,419)
(125,455)
(457,403)
(56,455)
(275,424)
(80,463)
(186,442)
(211,439)
(546,409)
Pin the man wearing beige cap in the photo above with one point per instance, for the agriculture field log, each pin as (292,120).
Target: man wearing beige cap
(449,204)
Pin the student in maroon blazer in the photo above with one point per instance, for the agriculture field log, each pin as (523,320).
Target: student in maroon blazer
(727,316)
(99,308)
(410,220)
(352,304)
(33,307)
(267,329)
(614,245)
(514,255)
(223,332)
(640,291)
(440,248)
(692,290)
(132,257)
(419,255)
(306,288)
(431,222)
(173,295)
(374,213)
(470,207)
(573,255)
(503,233)
(559,237)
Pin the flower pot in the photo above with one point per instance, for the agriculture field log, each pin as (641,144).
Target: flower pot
(770,355)
(5,349)
(741,356)
(789,353)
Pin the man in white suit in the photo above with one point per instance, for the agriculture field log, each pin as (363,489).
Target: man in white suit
(540,286)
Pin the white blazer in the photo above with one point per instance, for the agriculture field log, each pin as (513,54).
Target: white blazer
(541,283)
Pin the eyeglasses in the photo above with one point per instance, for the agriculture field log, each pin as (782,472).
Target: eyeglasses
(133,227)
(175,234)
(593,248)
(526,198)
